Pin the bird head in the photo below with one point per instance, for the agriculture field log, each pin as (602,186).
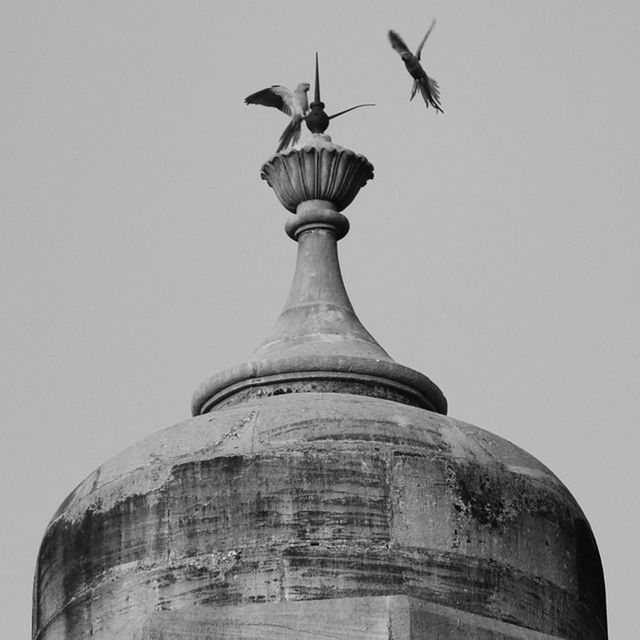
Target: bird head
(303,87)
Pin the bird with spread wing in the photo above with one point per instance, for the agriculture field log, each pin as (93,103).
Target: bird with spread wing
(293,103)
(428,86)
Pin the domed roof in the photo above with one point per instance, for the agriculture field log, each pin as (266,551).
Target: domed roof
(305,497)
(320,490)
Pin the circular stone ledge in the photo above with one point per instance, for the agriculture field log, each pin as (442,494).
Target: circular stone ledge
(359,376)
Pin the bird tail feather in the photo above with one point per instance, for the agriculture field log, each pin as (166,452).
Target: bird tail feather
(435,94)
(431,93)
(291,134)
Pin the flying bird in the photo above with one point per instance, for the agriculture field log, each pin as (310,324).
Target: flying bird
(428,86)
(293,103)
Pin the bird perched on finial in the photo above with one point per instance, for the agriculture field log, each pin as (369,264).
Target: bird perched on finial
(293,103)
(428,86)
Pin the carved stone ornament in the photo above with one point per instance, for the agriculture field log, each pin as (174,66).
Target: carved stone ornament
(320,170)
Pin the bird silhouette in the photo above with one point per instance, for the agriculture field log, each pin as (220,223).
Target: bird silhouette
(293,103)
(428,86)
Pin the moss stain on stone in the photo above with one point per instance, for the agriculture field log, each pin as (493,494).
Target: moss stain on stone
(490,495)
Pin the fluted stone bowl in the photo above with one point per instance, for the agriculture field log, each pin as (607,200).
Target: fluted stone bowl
(320,170)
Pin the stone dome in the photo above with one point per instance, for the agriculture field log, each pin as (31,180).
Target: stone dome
(320,491)
(369,504)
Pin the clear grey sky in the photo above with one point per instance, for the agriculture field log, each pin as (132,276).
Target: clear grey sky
(496,250)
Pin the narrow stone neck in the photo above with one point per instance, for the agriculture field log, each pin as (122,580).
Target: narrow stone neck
(317,277)
(318,317)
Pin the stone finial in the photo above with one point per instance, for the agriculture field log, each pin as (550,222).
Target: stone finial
(318,344)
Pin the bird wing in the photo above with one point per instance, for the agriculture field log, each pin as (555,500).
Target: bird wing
(275,96)
(426,35)
(398,43)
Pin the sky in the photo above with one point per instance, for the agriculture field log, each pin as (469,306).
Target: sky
(496,249)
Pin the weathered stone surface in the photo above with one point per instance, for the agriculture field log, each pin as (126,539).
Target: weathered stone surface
(318,498)
(368,618)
